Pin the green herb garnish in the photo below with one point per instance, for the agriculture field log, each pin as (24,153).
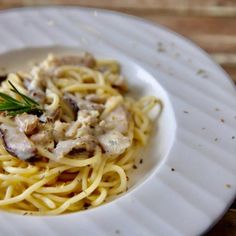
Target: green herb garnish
(14,107)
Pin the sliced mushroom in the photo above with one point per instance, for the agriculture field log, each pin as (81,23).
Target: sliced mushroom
(85,59)
(44,137)
(118,81)
(87,142)
(36,84)
(113,142)
(17,143)
(51,116)
(77,103)
(27,123)
(71,101)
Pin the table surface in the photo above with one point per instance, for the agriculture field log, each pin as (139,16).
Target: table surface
(209,23)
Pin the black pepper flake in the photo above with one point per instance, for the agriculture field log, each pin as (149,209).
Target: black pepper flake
(172,169)
(203,128)
(135,167)
(217,109)
(228,186)
(201,72)
(233,137)
(186,112)
(86,205)
(117,231)
(141,161)
(160,47)
(222,120)
(216,139)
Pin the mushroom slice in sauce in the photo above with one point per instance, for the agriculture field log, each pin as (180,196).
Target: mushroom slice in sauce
(16,142)
(87,142)
(71,101)
(85,59)
(113,142)
(43,138)
(27,123)
(77,104)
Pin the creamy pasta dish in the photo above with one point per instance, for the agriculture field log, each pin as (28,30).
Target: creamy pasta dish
(69,135)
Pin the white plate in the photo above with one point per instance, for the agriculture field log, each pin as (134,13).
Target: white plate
(182,193)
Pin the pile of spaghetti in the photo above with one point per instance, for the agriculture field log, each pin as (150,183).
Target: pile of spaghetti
(68,135)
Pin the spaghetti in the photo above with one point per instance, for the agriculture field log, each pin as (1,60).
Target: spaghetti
(76,155)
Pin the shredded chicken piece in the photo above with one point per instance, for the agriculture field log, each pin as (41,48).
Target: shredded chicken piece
(113,142)
(87,105)
(84,130)
(17,143)
(59,130)
(87,142)
(85,118)
(117,119)
(44,137)
(27,123)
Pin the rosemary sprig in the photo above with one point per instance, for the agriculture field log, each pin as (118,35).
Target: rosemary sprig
(13,107)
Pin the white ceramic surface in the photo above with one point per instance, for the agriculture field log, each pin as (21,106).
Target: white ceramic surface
(185,201)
